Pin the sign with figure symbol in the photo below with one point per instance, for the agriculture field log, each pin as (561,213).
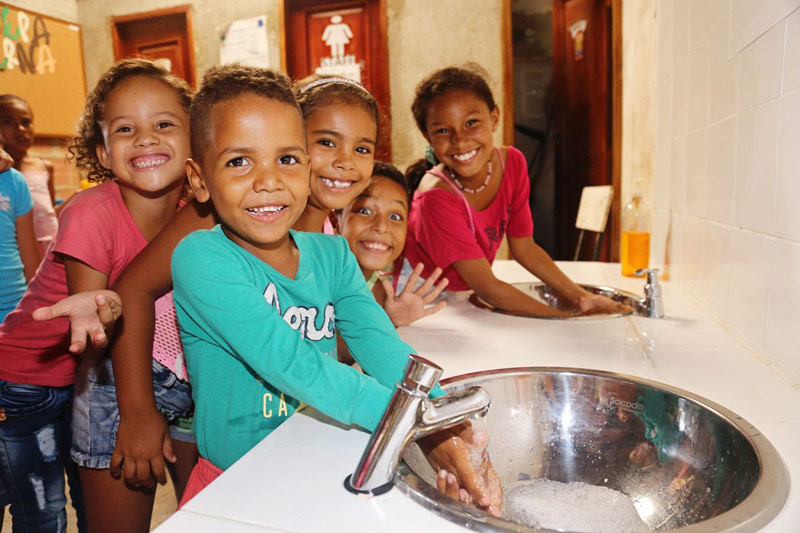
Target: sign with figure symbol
(337,35)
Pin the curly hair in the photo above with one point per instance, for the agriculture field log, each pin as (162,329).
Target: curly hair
(313,93)
(83,147)
(469,77)
(227,82)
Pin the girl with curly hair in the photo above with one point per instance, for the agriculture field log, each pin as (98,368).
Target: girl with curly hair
(134,140)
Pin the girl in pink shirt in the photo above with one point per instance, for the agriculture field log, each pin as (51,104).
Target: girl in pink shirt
(474,194)
(134,140)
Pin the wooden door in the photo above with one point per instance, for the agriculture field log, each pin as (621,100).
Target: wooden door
(164,35)
(344,38)
(582,82)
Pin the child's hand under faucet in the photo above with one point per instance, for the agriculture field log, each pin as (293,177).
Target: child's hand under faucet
(472,482)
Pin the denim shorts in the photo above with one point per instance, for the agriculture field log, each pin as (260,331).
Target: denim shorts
(95,413)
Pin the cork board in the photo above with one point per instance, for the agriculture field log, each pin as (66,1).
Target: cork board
(42,61)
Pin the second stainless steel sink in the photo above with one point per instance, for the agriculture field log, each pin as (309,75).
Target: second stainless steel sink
(548,296)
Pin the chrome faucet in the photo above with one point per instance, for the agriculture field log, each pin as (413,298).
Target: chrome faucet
(652,305)
(409,416)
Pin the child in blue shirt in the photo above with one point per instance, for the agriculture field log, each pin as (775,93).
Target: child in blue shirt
(258,304)
(19,251)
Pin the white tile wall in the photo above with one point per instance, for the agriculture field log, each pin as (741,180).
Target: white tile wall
(697,182)
(701,20)
(760,68)
(678,172)
(751,18)
(756,167)
(680,95)
(723,74)
(791,60)
(787,192)
(698,85)
(664,115)
(727,165)
(721,170)
(664,12)
(750,270)
(783,333)
(681,14)
(662,183)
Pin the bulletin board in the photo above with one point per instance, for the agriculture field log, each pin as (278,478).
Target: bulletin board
(42,61)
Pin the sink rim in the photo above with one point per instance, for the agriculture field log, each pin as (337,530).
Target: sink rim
(476,300)
(761,506)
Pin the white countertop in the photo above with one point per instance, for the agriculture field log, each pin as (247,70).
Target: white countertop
(293,480)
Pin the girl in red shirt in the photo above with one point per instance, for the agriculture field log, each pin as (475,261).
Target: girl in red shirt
(473,195)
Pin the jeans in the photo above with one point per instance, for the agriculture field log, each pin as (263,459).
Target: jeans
(34,454)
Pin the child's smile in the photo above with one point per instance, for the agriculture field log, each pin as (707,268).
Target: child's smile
(459,128)
(341,148)
(255,170)
(146,132)
(375,224)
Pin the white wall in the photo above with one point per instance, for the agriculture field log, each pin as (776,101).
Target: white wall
(727,165)
(60,9)
(419,43)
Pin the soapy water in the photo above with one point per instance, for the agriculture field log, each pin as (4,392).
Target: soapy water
(576,507)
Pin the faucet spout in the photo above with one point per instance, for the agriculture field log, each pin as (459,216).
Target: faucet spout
(409,416)
(652,304)
(451,410)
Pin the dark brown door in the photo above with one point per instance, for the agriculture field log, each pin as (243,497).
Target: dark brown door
(164,35)
(582,81)
(346,38)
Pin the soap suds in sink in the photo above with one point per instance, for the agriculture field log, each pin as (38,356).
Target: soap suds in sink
(572,507)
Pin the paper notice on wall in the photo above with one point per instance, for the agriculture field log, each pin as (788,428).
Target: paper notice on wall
(245,42)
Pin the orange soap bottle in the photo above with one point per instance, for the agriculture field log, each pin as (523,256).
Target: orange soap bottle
(635,253)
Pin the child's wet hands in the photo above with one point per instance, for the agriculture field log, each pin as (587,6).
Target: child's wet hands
(595,304)
(143,442)
(412,302)
(89,314)
(465,472)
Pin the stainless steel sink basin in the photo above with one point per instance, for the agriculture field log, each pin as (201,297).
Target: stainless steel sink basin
(548,296)
(687,463)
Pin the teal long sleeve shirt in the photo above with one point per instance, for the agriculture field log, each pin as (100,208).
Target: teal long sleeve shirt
(257,342)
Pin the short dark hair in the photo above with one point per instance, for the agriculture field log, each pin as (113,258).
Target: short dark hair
(227,82)
(470,77)
(6,98)
(389,171)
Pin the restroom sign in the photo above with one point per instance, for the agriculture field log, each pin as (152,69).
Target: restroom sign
(341,41)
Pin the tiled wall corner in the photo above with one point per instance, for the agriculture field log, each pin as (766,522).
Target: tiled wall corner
(727,165)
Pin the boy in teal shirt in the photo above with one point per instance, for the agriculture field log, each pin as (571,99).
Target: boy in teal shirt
(259,304)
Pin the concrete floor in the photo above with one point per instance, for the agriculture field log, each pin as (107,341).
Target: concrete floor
(162,509)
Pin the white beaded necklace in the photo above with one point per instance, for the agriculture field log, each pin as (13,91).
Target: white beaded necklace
(467,189)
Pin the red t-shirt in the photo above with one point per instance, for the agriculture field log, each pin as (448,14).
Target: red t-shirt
(95,228)
(440,232)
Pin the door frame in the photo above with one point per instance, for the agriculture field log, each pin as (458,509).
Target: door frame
(184,9)
(381,91)
(614,222)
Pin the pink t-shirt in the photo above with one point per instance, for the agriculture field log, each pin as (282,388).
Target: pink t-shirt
(95,228)
(440,229)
